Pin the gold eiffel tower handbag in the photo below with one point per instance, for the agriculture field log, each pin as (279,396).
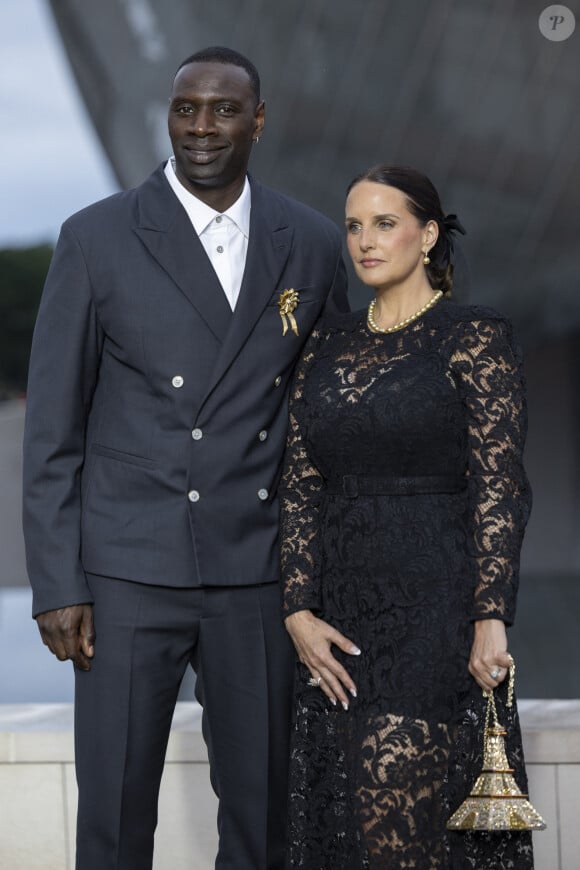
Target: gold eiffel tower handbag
(495,802)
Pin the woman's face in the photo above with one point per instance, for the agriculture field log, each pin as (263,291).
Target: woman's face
(385,241)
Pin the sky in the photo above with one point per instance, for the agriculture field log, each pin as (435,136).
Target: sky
(51,161)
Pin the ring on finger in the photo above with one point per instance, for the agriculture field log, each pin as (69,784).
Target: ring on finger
(314,682)
(494,674)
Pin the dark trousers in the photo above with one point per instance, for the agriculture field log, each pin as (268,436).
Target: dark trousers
(146,636)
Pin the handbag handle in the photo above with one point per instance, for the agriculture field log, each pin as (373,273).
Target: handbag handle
(491,709)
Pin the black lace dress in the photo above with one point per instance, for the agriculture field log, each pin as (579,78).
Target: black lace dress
(404,502)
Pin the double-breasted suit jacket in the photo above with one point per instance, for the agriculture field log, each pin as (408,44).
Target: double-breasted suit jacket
(156,417)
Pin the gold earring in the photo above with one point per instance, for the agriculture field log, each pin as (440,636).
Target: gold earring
(426,259)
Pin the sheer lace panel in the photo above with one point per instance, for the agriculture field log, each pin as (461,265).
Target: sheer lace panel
(490,371)
(403,762)
(301,491)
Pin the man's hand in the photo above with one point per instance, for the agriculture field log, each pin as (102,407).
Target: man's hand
(69,633)
(313,638)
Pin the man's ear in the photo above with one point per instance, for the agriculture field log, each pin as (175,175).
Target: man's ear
(260,117)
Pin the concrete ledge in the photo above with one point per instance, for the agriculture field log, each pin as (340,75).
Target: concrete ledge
(43,734)
(38,789)
(551,731)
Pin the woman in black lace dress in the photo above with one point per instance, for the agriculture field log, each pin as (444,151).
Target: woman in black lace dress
(404,504)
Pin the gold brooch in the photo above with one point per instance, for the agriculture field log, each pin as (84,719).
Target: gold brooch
(287,303)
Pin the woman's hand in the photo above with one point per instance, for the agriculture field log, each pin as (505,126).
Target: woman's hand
(489,660)
(313,639)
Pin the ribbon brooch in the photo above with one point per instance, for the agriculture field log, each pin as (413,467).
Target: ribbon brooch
(287,303)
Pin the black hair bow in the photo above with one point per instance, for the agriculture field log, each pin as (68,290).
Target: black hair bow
(452,224)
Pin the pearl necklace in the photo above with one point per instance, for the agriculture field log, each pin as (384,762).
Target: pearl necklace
(374,326)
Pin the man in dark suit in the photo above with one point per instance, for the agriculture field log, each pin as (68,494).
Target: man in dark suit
(169,327)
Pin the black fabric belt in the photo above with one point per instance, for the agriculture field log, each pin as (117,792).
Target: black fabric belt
(352,485)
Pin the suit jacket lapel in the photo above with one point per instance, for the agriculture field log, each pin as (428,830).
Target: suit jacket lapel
(268,250)
(167,233)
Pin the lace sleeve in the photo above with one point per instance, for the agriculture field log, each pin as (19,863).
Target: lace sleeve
(299,504)
(490,370)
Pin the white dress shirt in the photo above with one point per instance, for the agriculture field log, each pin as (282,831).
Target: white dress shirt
(224,236)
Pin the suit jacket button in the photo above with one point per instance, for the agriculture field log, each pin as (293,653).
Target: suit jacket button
(177,381)
(262,494)
(193,495)
(263,435)
(278,381)
(197,434)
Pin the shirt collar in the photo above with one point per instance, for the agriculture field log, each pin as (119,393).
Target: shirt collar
(201,215)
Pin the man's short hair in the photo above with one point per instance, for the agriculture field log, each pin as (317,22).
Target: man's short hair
(221,54)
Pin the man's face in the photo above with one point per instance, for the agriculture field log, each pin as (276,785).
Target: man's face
(213,118)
